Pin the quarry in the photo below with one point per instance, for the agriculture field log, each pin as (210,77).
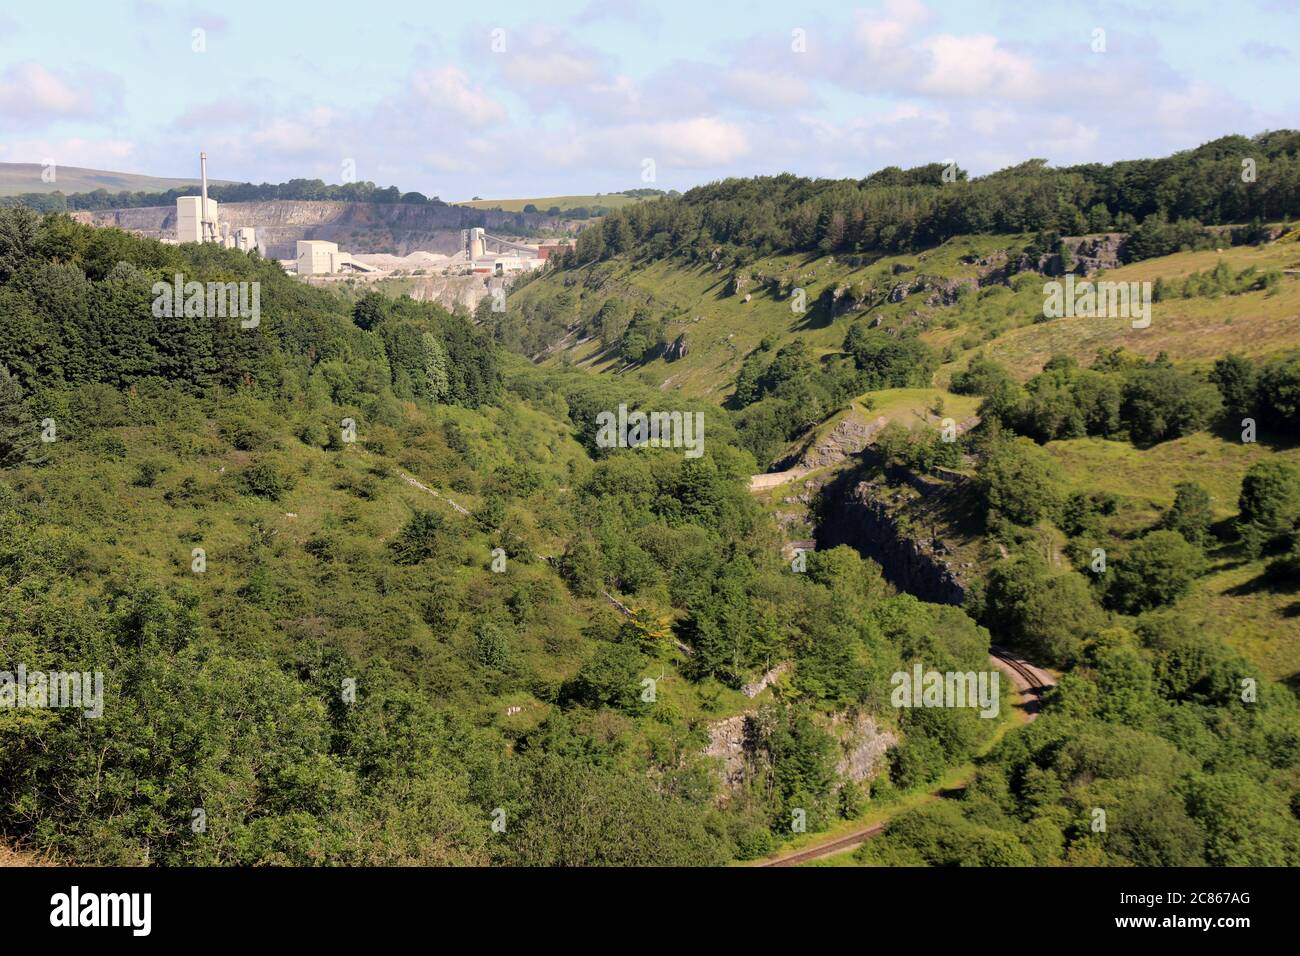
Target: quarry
(438,251)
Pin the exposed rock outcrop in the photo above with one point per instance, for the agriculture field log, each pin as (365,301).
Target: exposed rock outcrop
(855,514)
(730,741)
(849,436)
(735,742)
(766,681)
(862,746)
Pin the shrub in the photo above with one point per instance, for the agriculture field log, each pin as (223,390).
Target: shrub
(265,480)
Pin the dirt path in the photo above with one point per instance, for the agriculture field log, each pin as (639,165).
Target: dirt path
(417,484)
(771,479)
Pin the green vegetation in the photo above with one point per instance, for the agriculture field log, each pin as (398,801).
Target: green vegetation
(366,588)
(302,635)
(897,210)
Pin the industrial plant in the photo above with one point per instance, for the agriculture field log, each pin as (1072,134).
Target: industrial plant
(198,219)
(482,261)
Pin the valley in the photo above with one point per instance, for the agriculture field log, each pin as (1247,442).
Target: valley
(369,583)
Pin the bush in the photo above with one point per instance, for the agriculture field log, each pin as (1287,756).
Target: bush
(265,480)
(423,537)
(1190,515)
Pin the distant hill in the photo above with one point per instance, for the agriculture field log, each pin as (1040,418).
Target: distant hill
(19,178)
(565,203)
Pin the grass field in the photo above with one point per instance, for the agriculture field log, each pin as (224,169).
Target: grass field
(1196,330)
(543,203)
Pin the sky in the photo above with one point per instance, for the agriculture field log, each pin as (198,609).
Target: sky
(571,97)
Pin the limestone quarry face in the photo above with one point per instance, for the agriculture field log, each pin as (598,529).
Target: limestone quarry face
(357,227)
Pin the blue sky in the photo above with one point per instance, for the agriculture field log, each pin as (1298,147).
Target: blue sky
(570,96)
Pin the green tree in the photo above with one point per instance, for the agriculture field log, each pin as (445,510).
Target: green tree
(1161,402)
(1021,481)
(1238,382)
(369,310)
(18,430)
(1158,570)
(1190,515)
(1047,614)
(438,381)
(612,677)
(1269,503)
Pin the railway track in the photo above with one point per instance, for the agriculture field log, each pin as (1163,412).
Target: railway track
(1030,682)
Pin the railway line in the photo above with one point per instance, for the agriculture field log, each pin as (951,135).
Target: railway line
(1030,681)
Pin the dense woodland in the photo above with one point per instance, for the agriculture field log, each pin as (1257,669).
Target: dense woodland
(299,189)
(1163,202)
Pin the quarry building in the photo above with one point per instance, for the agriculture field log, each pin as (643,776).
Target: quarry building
(198,219)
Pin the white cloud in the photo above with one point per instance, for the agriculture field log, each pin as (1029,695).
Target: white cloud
(767,90)
(297,136)
(703,141)
(449,89)
(977,66)
(30,90)
(549,68)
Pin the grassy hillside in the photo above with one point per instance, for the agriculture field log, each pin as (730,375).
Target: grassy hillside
(19,178)
(1005,321)
(999,320)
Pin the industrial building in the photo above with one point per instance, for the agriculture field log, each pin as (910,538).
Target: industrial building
(198,219)
(316,257)
(521,257)
(192,216)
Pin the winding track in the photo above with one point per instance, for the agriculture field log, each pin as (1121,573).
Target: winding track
(1030,681)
